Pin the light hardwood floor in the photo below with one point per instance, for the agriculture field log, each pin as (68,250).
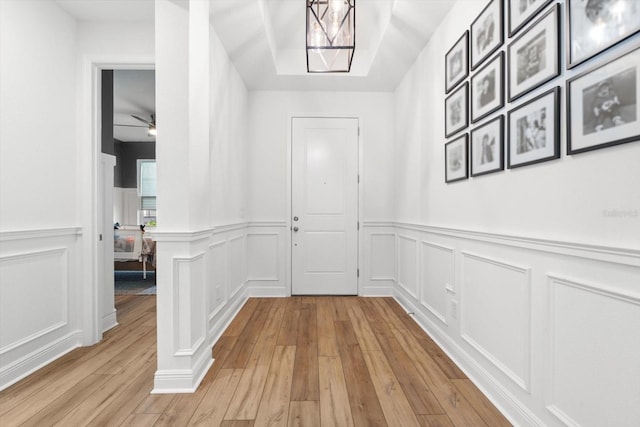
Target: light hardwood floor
(300,361)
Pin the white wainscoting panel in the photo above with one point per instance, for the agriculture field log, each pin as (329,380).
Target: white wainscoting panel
(189,302)
(39,280)
(217,275)
(594,354)
(236,264)
(407,265)
(263,257)
(495,308)
(382,259)
(39,317)
(437,269)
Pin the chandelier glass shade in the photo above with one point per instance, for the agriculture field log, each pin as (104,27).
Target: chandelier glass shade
(331,35)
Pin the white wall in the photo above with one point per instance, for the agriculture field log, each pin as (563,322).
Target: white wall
(228,132)
(520,275)
(269,119)
(39,232)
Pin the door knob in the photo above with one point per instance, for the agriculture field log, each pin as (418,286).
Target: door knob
(295,229)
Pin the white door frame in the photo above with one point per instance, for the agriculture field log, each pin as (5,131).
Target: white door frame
(90,146)
(289,221)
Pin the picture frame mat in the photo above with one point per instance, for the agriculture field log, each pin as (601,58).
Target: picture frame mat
(579,142)
(496,7)
(478,114)
(550,101)
(495,127)
(549,23)
(573,60)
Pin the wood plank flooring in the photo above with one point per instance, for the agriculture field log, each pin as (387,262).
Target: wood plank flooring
(300,361)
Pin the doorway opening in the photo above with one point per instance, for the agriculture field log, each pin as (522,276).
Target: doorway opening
(129,185)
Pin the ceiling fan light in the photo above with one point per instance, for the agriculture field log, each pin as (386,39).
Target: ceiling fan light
(152,131)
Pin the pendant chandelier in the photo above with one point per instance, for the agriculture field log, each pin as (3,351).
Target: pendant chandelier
(331,35)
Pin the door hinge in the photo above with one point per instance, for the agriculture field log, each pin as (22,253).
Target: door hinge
(358,272)
(358,130)
(358,225)
(358,178)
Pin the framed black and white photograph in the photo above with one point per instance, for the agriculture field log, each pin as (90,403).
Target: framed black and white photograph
(456,159)
(595,25)
(522,11)
(487,89)
(602,105)
(457,63)
(487,147)
(486,33)
(456,108)
(534,130)
(534,56)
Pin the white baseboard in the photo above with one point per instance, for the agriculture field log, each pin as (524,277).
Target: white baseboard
(109,321)
(38,359)
(377,292)
(183,380)
(261,291)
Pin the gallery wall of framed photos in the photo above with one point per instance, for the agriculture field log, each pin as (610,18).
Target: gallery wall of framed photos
(533,79)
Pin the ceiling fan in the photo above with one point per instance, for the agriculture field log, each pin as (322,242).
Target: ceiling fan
(150,125)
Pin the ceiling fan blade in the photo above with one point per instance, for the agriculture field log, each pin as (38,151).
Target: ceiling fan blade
(147,122)
(130,126)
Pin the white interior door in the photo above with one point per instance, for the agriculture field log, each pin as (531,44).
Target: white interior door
(324,206)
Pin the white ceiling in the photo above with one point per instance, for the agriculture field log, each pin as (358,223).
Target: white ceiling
(265,40)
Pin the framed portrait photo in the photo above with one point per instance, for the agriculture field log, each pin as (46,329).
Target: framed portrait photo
(486,33)
(457,63)
(522,11)
(487,89)
(602,105)
(456,108)
(534,57)
(534,130)
(456,159)
(487,147)
(595,25)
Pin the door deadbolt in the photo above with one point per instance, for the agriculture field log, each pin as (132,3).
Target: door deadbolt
(295,229)
(295,218)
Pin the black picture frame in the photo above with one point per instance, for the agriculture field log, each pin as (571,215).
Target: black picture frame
(534,57)
(613,23)
(602,104)
(521,12)
(533,130)
(456,110)
(456,159)
(487,89)
(456,63)
(487,33)
(487,147)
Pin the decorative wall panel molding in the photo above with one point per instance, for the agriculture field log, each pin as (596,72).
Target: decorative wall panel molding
(382,255)
(626,256)
(189,304)
(437,267)
(495,313)
(593,349)
(407,264)
(217,276)
(235,257)
(263,258)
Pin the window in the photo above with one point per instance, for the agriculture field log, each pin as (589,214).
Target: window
(147,183)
